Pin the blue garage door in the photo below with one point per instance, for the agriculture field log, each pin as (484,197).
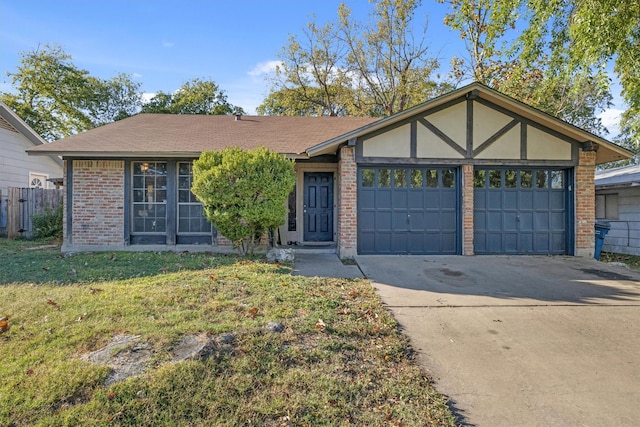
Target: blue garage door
(408,210)
(521,211)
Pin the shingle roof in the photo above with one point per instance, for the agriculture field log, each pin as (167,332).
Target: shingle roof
(171,134)
(618,177)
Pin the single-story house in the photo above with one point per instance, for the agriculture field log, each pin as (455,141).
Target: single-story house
(618,205)
(16,168)
(470,172)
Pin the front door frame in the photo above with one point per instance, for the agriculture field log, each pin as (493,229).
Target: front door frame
(301,170)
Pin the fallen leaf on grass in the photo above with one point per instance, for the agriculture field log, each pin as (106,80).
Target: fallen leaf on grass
(354,294)
(4,324)
(29,372)
(252,313)
(95,290)
(213,279)
(321,325)
(52,302)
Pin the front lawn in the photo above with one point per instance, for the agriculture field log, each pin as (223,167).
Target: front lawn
(340,359)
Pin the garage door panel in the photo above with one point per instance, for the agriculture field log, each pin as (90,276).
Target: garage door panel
(494,221)
(510,242)
(415,211)
(541,200)
(525,200)
(526,221)
(399,242)
(383,221)
(400,222)
(479,200)
(525,242)
(417,221)
(541,221)
(448,199)
(399,200)
(449,242)
(558,241)
(542,241)
(494,199)
(510,221)
(416,200)
(527,213)
(509,199)
(557,200)
(558,221)
(367,198)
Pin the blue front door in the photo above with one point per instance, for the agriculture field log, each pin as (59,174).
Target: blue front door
(318,206)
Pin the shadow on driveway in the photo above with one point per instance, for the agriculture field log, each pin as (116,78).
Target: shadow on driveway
(500,280)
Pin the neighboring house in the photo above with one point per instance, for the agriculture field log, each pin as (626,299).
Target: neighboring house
(16,168)
(618,203)
(469,172)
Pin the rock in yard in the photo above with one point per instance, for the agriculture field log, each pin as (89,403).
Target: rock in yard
(275,327)
(125,355)
(280,255)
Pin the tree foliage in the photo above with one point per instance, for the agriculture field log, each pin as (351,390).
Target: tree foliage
(600,32)
(196,96)
(536,69)
(243,192)
(58,99)
(348,68)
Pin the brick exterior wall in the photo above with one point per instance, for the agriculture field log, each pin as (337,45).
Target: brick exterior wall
(585,201)
(347,204)
(98,202)
(467,210)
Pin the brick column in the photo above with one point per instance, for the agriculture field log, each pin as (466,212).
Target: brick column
(585,202)
(467,210)
(347,204)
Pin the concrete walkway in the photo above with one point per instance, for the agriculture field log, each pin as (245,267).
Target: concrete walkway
(323,265)
(521,341)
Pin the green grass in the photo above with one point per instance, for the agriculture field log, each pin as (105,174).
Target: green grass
(357,370)
(632,261)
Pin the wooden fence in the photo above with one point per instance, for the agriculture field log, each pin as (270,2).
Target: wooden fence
(24,203)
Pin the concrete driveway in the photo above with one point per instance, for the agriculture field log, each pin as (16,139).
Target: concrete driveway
(531,341)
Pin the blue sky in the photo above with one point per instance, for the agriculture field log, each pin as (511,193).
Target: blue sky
(163,43)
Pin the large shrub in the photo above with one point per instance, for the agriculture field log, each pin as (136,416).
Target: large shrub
(243,192)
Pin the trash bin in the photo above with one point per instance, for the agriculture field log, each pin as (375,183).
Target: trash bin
(602,228)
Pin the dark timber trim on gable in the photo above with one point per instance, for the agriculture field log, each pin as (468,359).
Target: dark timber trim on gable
(450,142)
(493,138)
(468,152)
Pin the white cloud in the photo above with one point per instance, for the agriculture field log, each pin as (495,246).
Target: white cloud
(146,96)
(168,44)
(611,120)
(264,68)
(137,75)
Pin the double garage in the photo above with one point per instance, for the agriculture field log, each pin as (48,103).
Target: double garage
(418,210)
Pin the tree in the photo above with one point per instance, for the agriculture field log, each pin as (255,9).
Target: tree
(600,32)
(243,192)
(195,96)
(57,99)
(348,68)
(537,76)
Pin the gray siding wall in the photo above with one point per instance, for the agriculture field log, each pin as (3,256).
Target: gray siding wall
(15,166)
(624,236)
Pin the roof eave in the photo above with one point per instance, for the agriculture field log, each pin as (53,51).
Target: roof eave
(21,126)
